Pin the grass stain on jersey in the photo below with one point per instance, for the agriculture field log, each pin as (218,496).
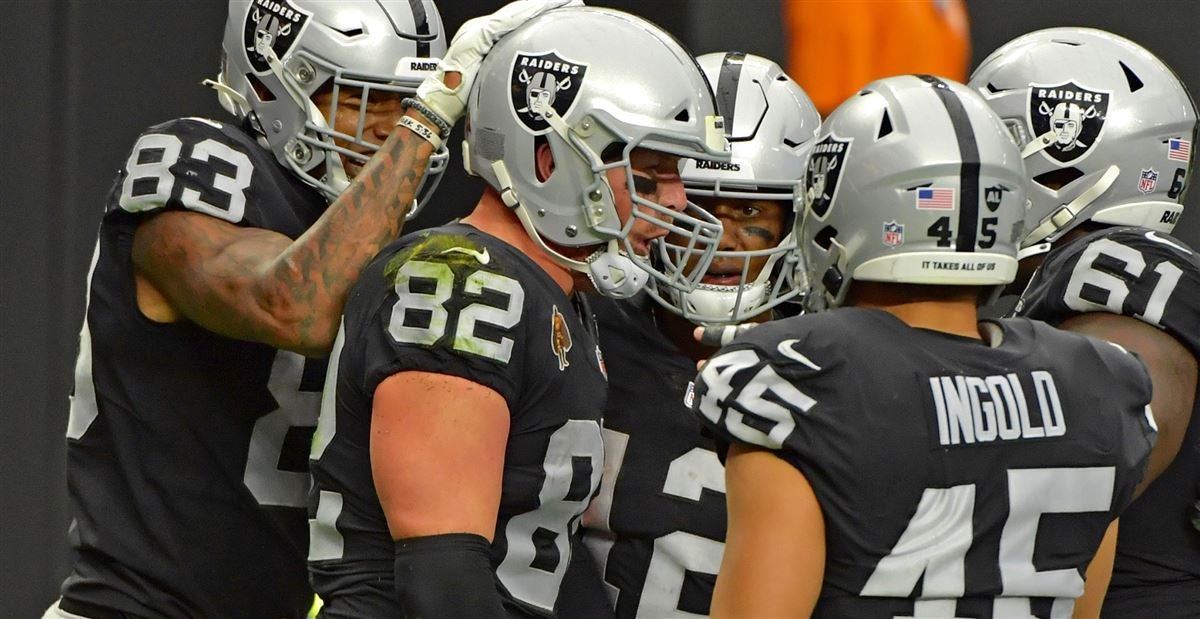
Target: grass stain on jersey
(432,248)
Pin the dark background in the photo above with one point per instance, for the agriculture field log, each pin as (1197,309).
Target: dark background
(82,78)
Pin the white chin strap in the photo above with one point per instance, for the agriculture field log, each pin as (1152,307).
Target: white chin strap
(614,274)
(712,305)
(1065,214)
(1038,144)
(1033,250)
(230,99)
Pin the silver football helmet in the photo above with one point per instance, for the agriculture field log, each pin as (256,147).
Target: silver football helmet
(278,53)
(913,180)
(1106,129)
(770,124)
(593,83)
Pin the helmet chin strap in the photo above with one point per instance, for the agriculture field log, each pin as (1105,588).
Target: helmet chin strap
(839,265)
(731,303)
(1038,144)
(230,99)
(1065,214)
(614,274)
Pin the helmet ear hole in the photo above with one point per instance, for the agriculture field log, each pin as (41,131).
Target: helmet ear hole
(833,280)
(824,238)
(543,158)
(613,152)
(1058,178)
(260,89)
(683,116)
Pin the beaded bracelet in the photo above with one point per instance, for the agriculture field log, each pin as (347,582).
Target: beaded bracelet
(433,117)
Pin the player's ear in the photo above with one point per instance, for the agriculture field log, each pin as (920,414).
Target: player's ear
(543,158)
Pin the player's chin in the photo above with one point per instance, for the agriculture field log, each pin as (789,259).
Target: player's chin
(354,165)
(640,247)
(582,282)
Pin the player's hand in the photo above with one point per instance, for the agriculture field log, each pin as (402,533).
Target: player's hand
(718,336)
(445,92)
(721,335)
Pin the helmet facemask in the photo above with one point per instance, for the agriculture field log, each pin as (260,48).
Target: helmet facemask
(564,78)
(615,266)
(780,274)
(770,124)
(359,44)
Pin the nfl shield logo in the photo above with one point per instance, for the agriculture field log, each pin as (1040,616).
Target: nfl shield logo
(541,84)
(271,26)
(893,233)
(1148,180)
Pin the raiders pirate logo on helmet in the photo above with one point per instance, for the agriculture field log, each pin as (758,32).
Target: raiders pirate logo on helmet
(824,168)
(274,25)
(542,82)
(1073,113)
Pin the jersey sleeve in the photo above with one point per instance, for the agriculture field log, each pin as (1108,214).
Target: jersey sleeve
(447,314)
(756,391)
(1128,384)
(1128,271)
(190,164)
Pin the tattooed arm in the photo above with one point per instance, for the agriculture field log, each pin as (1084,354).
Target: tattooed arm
(261,286)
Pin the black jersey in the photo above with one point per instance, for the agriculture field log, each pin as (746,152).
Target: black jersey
(456,301)
(186,450)
(657,528)
(955,479)
(1155,278)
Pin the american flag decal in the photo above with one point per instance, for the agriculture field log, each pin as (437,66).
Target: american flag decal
(1179,150)
(935,199)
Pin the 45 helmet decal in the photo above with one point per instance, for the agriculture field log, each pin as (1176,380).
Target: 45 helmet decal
(929,189)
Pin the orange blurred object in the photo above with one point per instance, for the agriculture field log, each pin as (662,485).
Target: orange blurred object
(836,47)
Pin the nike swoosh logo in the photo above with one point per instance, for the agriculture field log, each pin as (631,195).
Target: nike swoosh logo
(1153,236)
(481,256)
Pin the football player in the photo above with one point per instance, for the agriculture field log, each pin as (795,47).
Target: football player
(460,440)
(1106,131)
(895,456)
(224,257)
(657,527)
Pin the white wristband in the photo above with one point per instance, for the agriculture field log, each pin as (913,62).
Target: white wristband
(425,133)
